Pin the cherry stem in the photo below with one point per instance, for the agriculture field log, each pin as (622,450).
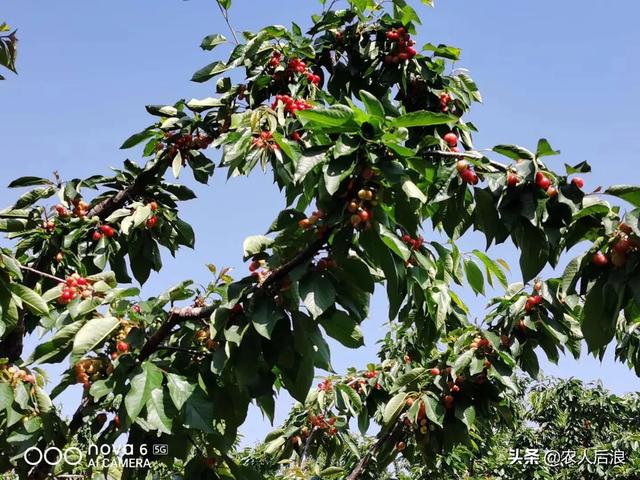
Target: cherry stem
(225,15)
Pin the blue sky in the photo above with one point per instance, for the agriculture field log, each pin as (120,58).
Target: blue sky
(565,70)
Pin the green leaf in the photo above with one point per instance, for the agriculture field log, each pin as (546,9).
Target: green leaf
(176,164)
(534,252)
(309,159)
(149,378)
(254,245)
(514,152)
(600,313)
(199,412)
(350,397)
(6,396)
(209,71)
(264,316)
(466,415)
(630,193)
(156,416)
(92,334)
(372,104)
(330,117)
(393,409)
(492,268)
(544,149)
(317,293)
(58,347)
(434,409)
(474,276)
(343,328)
(412,191)
(443,51)
(137,138)
(31,299)
(394,243)
(422,118)
(211,41)
(28,182)
(180,389)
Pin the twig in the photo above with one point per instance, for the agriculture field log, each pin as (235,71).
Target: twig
(225,15)
(42,274)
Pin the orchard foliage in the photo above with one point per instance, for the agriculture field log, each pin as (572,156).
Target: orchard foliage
(365,135)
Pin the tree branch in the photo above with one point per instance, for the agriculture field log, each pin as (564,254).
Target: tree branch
(42,274)
(392,436)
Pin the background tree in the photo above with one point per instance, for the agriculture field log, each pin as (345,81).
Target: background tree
(365,137)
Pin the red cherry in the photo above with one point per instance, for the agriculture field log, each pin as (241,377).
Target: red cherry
(552,192)
(622,246)
(600,259)
(512,180)
(412,52)
(122,347)
(116,421)
(152,221)
(469,176)
(364,215)
(153,205)
(578,182)
(96,236)
(136,309)
(448,402)
(406,238)
(295,136)
(451,139)
(435,371)
(237,308)
(393,36)
(462,165)
(542,181)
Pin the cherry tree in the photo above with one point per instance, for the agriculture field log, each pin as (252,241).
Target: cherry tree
(364,133)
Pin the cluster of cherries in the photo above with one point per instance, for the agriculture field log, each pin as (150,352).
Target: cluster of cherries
(14,375)
(308,223)
(265,141)
(103,230)
(467,174)
(92,369)
(421,423)
(403,46)
(414,243)
(322,423)
(445,100)
(258,270)
(325,385)
(624,244)
(74,286)
(326,263)
(290,105)
(294,66)
(361,213)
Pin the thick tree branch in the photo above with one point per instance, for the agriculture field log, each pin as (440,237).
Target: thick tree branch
(392,436)
(178,315)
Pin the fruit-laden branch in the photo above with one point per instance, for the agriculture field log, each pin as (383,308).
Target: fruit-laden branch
(13,343)
(438,153)
(111,204)
(178,315)
(392,436)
